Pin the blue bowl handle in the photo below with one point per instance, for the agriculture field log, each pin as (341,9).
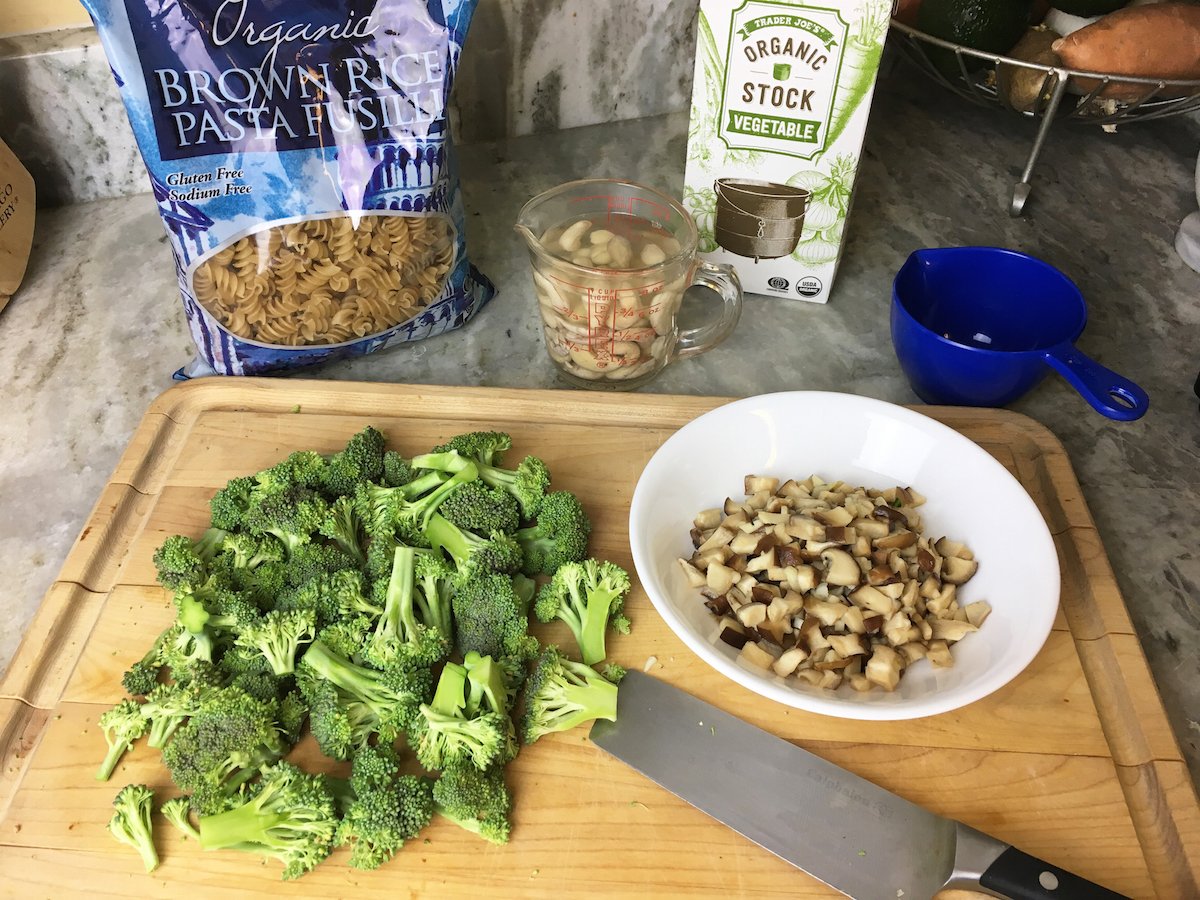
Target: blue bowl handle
(1103,388)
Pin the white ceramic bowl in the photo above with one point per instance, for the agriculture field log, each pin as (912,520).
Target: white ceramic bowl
(970,498)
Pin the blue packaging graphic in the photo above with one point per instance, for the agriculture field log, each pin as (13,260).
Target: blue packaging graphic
(300,156)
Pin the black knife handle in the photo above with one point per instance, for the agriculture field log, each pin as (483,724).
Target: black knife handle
(1023,877)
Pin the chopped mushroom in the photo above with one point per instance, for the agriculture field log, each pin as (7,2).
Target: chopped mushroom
(831,584)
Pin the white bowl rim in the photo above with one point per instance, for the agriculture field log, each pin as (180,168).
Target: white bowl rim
(828,703)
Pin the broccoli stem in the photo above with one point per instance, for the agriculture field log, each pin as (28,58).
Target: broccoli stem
(596,605)
(435,607)
(246,824)
(450,697)
(398,621)
(115,752)
(597,699)
(445,535)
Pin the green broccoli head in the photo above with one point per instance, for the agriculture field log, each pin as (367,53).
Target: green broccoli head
(360,461)
(229,505)
(396,470)
(122,726)
(278,636)
(177,812)
(589,597)
(445,736)
(477,507)
(562,694)
(348,702)
(182,563)
(222,746)
(474,800)
(292,515)
(403,635)
(131,824)
(490,619)
(559,536)
(486,447)
(289,816)
(528,483)
(168,706)
(386,809)
(344,526)
(473,553)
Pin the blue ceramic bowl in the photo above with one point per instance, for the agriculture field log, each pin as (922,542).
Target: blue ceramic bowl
(981,326)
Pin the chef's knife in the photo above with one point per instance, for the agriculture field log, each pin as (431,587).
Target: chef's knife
(841,829)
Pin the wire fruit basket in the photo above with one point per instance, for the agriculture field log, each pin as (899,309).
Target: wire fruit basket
(1141,99)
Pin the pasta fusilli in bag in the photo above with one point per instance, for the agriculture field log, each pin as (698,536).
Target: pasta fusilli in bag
(299,152)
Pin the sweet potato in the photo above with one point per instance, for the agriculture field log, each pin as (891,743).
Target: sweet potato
(1159,41)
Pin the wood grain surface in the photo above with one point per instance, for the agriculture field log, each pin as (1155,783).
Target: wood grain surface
(1073,761)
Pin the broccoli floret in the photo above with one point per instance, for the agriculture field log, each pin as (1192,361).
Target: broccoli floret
(259,685)
(278,636)
(386,808)
(222,746)
(396,470)
(482,509)
(472,553)
(559,536)
(176,811)
(229,505)
(348,702)
(562,694)
(490,618)
(444,736)
(402,635)
(293,713)
(228,610)
(245,551)
(292,515)
(142,676)
(182,562)
(312,560)
(488,691)
(360,461)
(343,525)
(614,672)
(485,447)
(303,468)
(590,597)
(474,800)
(331,597)
(347,637)
(435,579)
(290,816)
(122,725)
(130,823)
(527,483)
(183,648)
(263,584)
(391,512)
(168,706)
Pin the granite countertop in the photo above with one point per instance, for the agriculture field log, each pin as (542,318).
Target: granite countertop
(94,334)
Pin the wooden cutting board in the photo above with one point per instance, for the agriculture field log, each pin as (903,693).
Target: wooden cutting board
(1073,761)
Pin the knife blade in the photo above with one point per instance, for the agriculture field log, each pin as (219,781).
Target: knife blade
(843,830)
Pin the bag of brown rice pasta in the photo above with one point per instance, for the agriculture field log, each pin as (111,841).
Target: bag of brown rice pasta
(299,152)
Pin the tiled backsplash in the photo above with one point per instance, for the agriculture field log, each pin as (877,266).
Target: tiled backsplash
(528,66)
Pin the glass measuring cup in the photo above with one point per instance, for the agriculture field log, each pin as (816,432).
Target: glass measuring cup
(611,262)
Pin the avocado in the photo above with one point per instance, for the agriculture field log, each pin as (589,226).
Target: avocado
(992,26)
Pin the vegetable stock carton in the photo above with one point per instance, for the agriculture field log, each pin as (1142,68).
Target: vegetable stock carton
(780,102)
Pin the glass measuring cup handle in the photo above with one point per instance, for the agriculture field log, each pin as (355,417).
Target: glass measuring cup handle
(1109,393)
(725,282)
